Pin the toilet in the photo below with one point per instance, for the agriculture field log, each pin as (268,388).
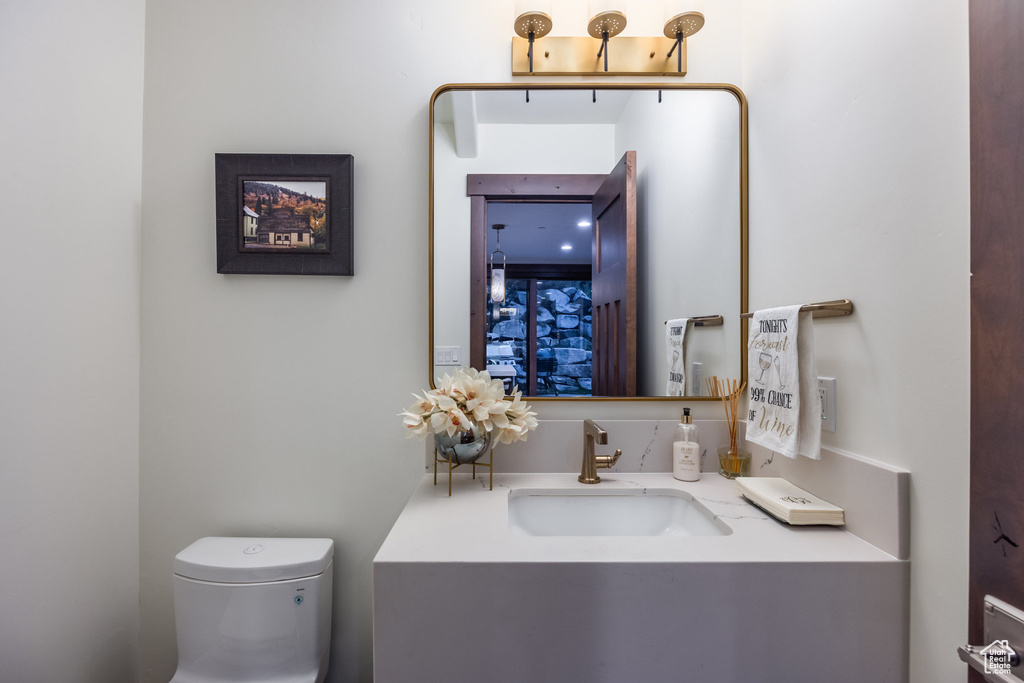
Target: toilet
(253,609)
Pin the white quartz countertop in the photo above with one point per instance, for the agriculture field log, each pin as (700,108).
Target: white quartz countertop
(472,526)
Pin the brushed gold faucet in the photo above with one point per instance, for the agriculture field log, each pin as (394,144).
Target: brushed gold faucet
(592,435)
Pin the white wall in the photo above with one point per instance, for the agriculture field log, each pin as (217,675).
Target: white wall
(860,189)
(270,402)
(70,173)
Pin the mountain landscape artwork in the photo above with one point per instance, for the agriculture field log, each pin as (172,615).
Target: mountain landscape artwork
(284,215)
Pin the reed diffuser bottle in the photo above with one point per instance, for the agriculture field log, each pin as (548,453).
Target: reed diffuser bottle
(686,450)
(733,461)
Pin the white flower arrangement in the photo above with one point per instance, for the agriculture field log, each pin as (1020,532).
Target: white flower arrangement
(466,401)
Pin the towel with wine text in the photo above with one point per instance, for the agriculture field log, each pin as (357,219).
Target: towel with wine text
(675,348)
(784,407)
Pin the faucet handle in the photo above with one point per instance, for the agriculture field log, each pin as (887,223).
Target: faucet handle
(608,460)
(592,434)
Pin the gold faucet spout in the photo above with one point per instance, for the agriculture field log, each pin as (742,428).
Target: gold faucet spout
(592,435)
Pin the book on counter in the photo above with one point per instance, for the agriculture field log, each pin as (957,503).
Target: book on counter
(788,502)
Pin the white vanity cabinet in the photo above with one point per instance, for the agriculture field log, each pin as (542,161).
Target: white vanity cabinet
(460,596)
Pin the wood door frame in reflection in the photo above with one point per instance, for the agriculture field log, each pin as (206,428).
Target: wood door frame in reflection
(503,187)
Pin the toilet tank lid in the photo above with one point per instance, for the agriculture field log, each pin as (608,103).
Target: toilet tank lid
(253,560)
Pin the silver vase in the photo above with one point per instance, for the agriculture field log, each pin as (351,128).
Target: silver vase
(463,447)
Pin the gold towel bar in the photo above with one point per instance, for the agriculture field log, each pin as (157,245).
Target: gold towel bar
(705,321)
(824,309)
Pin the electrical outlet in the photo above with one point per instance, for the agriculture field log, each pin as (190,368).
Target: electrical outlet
(827,391)
(447,355)
(696,378)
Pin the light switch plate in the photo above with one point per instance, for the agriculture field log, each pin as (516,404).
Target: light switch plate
(448,355)
(696,378)
(827,391)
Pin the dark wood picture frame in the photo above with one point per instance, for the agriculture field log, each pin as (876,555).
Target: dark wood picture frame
(334,169)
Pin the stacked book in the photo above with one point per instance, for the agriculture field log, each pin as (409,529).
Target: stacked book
(787,502)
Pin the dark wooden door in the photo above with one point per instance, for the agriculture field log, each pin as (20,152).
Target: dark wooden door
(997,306)
(614,282)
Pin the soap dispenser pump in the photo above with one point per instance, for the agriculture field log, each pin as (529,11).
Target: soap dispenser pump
(686,450)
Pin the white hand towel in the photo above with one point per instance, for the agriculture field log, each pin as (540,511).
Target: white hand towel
(784,405)
(675,345)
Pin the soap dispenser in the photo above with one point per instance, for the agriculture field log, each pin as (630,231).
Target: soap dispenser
(686,450)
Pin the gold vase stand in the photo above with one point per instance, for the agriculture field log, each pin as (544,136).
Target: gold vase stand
(452,467)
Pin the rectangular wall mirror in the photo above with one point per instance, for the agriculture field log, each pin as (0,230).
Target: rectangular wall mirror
(569,223)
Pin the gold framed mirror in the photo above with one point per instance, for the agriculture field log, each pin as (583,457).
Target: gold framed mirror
(660,173)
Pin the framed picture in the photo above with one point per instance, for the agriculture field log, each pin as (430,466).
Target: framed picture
(284,214)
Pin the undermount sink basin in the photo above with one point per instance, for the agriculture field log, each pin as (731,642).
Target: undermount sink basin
(610,512)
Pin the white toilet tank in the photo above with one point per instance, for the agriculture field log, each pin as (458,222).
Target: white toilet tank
(253,609)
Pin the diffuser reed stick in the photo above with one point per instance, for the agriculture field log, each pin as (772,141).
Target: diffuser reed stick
(733,463)
(729,391)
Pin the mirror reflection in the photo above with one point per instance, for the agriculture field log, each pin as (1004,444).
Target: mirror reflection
(567,229)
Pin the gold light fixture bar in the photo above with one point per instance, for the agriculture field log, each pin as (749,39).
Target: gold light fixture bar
(574,56)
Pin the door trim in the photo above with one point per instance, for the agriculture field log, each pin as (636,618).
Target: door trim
(508,187)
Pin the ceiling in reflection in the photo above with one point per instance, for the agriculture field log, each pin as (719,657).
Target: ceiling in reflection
(538,232)
(547,106)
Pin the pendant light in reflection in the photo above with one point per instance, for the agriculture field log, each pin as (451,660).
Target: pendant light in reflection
(498,272)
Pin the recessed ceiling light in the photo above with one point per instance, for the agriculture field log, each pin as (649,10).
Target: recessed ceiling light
(566,247)
(583,224)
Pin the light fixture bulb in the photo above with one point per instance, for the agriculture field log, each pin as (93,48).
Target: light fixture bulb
(612,22)
(603,26)
(498,272)
(533,25)
(679,28)
(566,247)
(498,285)
(686,23)
(583,224)
(537,23)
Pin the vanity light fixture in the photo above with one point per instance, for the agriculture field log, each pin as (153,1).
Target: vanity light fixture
(567,247)
(498,274)
(680,27)
(605,25)
(583,224)
(574,56)
(532,25)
